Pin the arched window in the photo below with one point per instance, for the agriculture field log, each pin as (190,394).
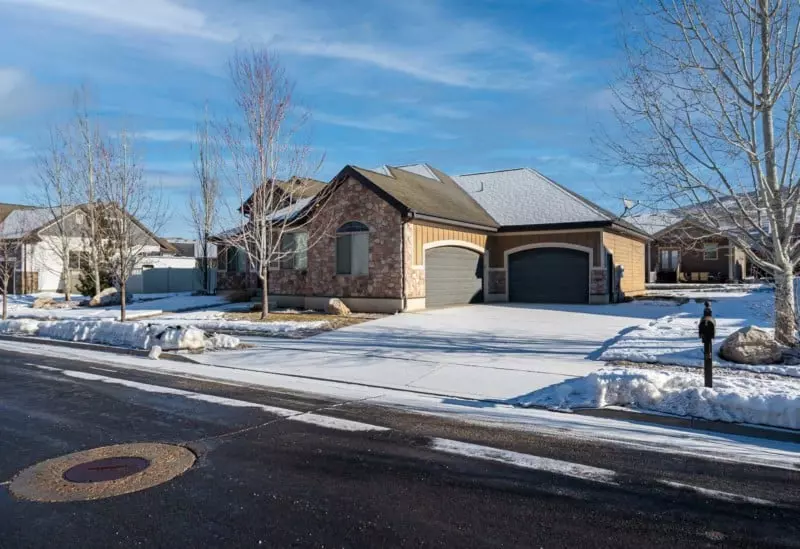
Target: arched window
(352,249)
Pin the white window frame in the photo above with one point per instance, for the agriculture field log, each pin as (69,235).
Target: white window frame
(708,249)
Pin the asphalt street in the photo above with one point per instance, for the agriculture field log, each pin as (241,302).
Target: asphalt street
(263,479)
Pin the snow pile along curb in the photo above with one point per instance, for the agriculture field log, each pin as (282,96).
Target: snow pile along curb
(135,335)
(733,399)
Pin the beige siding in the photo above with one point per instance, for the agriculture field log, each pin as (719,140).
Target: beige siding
(425,233)
(499,244)
(629,253)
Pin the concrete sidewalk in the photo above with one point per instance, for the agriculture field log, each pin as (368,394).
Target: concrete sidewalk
(496,352)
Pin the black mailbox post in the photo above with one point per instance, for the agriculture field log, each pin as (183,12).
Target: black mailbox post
(707,331)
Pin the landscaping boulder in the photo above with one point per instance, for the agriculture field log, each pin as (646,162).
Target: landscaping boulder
(44,302)
(751,345)
(336,306)
(109,297)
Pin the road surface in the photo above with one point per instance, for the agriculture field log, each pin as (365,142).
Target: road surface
(264,479)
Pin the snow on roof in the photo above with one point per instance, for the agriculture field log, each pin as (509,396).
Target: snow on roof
(21,222)
(652,223)
(419,169)
(523,196)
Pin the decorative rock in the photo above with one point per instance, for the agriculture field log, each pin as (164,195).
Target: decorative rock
(751,345)
(336,306)
(45,302)
(108,297)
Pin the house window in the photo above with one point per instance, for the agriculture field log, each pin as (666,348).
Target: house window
(235,260)
(352,249)
(76,259)
(710,252)
(669,260)
(294,251)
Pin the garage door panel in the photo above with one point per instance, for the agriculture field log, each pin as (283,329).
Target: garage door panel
(453,276)
(549,275)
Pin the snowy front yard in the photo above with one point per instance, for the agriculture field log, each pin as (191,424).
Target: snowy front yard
(175,321)
(767,394)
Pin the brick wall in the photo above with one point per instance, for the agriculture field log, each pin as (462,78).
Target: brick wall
(350,202)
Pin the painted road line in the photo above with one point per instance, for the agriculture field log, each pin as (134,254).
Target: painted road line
(717,494)
(526,461)
(43,367)
(310,418)
(336,423)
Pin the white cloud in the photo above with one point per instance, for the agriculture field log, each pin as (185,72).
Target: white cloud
(163,16)
(166,135)
(11,147)
(388,123)
(20,95)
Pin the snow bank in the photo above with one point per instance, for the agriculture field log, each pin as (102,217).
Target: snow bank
(205,320)
(738,399)
(23,326)
(136,335)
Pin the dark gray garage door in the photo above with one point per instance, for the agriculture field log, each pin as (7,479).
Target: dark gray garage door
(549,275)
(453,276)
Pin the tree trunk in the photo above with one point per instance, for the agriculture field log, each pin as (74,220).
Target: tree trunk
(67,280)
(785,321)
(122,304)
(5,303)
(264,296)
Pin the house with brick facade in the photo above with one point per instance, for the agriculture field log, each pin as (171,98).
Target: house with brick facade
(412,237)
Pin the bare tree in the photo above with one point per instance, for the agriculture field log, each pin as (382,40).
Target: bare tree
(56,193)
(268,166)
(127,202)
(709,105)
(204,202)
(85,144)
(11,248)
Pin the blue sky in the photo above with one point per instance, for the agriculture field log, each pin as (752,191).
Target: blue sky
(465,85)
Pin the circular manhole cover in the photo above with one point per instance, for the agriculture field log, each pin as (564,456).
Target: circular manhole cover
(102,472)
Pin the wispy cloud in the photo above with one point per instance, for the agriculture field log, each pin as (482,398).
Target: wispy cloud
(388,123)
(167,135)
(144,15)
(20,95)
(11,147)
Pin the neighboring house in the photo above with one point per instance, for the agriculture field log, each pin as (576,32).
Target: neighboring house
(40,265)
(412,237)
(683,250)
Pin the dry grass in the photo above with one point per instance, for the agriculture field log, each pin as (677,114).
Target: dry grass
(335,321)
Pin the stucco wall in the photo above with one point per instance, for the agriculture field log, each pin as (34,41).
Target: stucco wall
(629,253)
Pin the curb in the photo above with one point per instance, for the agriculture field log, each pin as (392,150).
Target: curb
(96,347)
(738,429)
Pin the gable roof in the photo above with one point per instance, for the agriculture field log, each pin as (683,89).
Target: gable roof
(17,221)
(655,223)
(433,195)
(523,197)
(299,188)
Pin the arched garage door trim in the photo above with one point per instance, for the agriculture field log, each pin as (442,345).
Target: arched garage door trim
(525,247)
(457,243)
(467,247)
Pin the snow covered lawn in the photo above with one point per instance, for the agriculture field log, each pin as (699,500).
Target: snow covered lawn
(134,335)
(734,398)
(672,339)
(146,306)
(215,321)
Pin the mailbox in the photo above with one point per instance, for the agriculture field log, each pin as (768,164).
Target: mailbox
(707,329)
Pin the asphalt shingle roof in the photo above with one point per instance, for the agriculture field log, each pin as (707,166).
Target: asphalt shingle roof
(434,194)
(525,197)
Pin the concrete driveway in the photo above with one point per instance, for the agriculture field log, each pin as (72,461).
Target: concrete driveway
(497,351)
